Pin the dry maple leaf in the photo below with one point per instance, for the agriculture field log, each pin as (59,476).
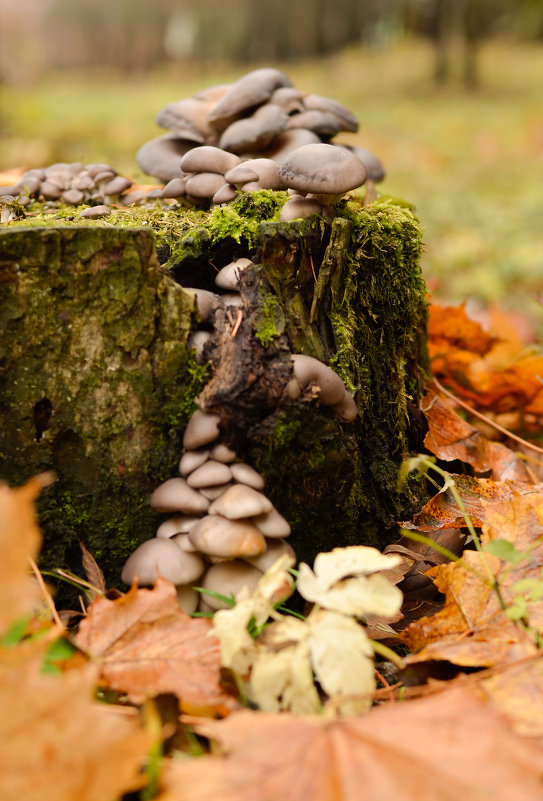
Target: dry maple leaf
(517,693)
(20,538)
(57,741)
(147,645)
(451,437)
(446,747)
(491,373)
(442,511)
(472,629)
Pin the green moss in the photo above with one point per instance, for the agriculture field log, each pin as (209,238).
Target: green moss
(271,321)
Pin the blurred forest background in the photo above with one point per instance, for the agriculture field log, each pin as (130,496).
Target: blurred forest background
(449,94)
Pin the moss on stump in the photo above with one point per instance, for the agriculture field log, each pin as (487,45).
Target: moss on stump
(97,382)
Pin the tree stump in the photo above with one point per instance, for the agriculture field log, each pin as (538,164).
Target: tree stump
(98,383)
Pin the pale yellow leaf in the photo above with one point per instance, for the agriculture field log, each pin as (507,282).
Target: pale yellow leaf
(283,680)
(355,560)
(342,658)
(238,648)
(360,596)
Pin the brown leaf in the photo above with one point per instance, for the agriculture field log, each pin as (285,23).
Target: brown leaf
(446,747)
(450,437)
(492,373)
(442,511)
(20,538)
(517,693)
(472,629)
(92,569)
(147,645)
(57,741)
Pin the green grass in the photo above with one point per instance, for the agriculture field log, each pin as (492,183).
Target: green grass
(471,163)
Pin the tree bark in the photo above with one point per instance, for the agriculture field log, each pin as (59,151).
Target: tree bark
(97,382)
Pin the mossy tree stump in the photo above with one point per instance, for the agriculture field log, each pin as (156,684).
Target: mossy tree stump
(97,382)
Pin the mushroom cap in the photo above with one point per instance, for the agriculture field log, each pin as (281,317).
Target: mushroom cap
(320,103)
(187,118)
(175,495)
(207,302)
(209,475)
(229,578)
(191,460)
(240,501)
(164,557)
(182,540)
(225,194)
(374,166)
(228,276)
(274,550)
(267,171)
(245,474)
(202,428)
(217,536)
(322,169)
(322,123)
(290,140)
(288,98)
(162,156)
(96,211)
(73,196)
(174,188)
(187,599)
(222,453)
(116,185)
(312,372)
(272,524)
(239,174)
(297,208)
(252,89)
(209,159)
(197,342)
(203,185)
(255,132)
(177,524)
(212,493)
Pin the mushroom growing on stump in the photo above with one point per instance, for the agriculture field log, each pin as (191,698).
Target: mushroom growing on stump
(324,172)
(311,375)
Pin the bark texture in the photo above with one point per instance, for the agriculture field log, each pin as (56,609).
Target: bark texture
(97,382)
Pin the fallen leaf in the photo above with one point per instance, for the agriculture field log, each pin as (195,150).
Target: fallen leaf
(366,593)
(517,693)
(446,747)
(489,372)
(94,573)
(20,538)
(146,645)
(442,511)
(472,628)
(57,741)
(451,437)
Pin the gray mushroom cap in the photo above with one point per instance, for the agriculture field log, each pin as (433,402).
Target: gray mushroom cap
(217,536)
(320,103)
(229,578)
(187,118)
(252,89)
(322,169)
(162,156)
(240,501)
(203,428)
(175,495)
(164,557)
(255,132)
(208,159)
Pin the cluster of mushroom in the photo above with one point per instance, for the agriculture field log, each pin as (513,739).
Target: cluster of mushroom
(73,183)
(223,532)
(258,121)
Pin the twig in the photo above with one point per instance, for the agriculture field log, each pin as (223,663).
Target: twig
(46,594)
(239,318)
